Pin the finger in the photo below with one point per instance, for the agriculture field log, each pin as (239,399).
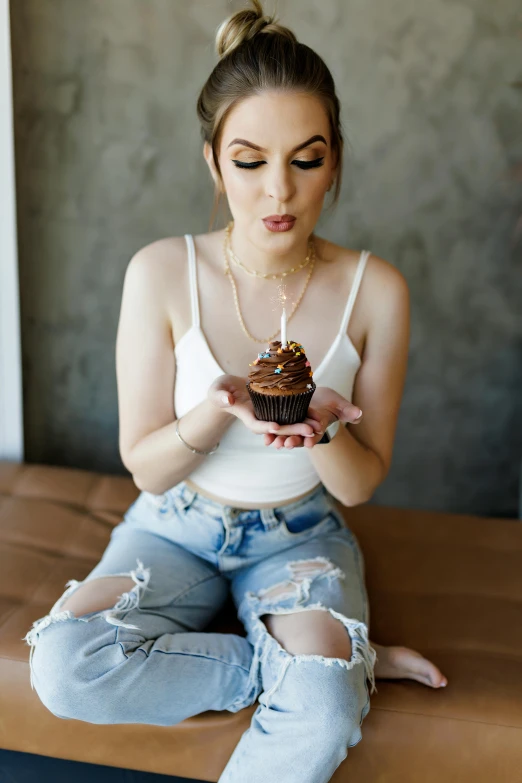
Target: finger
(222,398)
(350,413)
(295,429)
(262,427)
(314,421)
(319,426)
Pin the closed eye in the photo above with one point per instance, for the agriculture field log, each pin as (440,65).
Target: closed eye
(302,164)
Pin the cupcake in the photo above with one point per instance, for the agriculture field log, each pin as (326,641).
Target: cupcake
(280,383)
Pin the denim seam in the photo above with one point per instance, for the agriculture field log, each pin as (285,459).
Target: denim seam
(319,525)
(191,587)
(189,653)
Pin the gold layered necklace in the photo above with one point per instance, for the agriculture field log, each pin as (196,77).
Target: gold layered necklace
(227,249)
(268,275)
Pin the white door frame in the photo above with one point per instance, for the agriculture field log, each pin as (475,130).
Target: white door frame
(11,418)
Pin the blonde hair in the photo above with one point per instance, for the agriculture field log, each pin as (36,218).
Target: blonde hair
(257,53)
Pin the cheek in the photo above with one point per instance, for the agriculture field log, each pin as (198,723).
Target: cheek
(314,192)
(320,186)
(240,188)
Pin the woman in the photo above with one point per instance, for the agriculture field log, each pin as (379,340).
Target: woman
(219,508)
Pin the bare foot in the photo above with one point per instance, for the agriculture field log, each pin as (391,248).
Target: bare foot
(401,662)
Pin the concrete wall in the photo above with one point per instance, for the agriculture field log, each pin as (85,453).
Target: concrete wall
(108,158)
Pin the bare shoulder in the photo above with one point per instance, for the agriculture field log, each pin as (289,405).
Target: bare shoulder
(384,282)
(382,285)
(383,300)
(157,271)
(378,272)
(161,257)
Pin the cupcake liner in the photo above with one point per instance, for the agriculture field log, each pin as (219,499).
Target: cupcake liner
(281,408)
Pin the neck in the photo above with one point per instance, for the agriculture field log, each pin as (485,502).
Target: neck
(255,258)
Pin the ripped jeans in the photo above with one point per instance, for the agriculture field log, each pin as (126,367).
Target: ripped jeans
(148,659)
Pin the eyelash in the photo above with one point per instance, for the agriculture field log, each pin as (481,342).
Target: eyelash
(313,164)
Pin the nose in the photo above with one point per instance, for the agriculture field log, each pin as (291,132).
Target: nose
(279,182)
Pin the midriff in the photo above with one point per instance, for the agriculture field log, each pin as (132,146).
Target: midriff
(244,505)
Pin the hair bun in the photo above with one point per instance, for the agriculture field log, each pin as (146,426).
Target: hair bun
(244,25)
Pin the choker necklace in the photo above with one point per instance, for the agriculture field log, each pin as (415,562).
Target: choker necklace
(268,275)
(228,272)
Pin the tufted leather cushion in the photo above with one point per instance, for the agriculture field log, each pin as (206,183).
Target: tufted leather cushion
(448,585)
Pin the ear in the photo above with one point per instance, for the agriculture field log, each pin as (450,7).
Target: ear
(207,154)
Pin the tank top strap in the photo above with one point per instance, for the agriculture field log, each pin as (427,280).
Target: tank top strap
(365,254)
(193,278)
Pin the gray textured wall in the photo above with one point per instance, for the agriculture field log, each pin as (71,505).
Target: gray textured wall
(108,158)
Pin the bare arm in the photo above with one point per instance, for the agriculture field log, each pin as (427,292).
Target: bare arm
(145,369)
(159,461)
(359,456)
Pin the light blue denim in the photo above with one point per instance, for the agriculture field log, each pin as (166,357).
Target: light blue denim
(148,659)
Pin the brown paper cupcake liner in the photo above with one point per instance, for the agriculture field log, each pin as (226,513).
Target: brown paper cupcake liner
(283,408)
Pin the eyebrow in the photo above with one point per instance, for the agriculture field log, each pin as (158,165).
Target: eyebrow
(246,143)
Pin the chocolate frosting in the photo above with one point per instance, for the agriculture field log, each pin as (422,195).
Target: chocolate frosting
(282,368)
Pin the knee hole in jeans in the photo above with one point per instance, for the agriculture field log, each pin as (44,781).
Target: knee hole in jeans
(97,594)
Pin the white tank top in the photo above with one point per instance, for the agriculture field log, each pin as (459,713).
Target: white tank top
(243,468)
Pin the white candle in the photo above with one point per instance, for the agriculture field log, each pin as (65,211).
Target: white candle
(283,328)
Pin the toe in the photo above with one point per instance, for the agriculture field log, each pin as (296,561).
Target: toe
(425,670)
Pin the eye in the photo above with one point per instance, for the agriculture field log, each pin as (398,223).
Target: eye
(247,165)
(309,164)
(302,164)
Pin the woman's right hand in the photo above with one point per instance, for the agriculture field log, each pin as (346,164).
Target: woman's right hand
(229,393)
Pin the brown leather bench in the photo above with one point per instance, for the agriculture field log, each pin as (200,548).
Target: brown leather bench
(447,585)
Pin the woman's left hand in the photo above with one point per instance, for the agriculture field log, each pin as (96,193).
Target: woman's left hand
(327,407)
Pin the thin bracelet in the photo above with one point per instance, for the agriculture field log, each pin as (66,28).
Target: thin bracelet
(195,451)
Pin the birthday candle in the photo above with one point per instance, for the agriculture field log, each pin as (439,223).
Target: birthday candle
(283,328)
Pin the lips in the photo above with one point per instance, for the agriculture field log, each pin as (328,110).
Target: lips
(280,218)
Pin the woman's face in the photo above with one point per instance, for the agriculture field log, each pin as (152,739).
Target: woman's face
(282,180)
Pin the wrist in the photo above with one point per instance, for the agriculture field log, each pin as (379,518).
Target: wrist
(193,449)
(218,420)
(217,414)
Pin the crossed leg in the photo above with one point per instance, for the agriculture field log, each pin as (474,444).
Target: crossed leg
(306,633)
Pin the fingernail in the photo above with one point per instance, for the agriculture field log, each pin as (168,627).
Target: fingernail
(224,399)
(443,684)
(273,432)
(359,416)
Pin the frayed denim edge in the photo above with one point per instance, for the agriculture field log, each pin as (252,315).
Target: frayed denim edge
(129,600)
(256,605)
